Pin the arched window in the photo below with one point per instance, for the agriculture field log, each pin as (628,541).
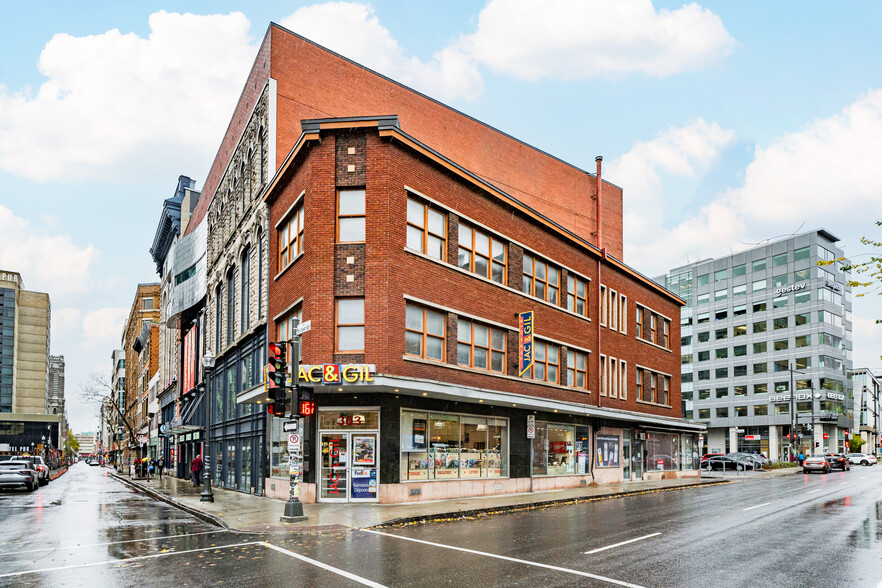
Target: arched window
(245,299)
(242,180)
(231,305)
(260,247)
(262,153)
(250,174)
(218,319)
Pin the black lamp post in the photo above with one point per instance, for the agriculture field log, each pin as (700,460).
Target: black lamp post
(207,495)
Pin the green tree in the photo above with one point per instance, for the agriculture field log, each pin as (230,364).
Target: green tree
(856,442)
(73,446)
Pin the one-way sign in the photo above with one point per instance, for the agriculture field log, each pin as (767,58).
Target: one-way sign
(291,426)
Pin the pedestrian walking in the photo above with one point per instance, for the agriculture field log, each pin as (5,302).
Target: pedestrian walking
(195,468)
(801,458)
(152,468)
(160,464)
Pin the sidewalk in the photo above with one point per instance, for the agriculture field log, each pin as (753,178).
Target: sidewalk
(245,512)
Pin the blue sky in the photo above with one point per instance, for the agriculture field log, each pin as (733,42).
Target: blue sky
(726,123)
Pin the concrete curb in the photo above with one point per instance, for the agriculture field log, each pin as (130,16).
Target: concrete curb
(492,510)
(202,516)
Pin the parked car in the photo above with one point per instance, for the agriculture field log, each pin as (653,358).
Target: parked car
(839,461)
(816,463)
(42,469)
(757,460)
(18,473)
(727,463)
(864,459)
(707,456)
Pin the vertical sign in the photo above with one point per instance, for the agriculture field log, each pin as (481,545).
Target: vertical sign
(531,426)
(525,342)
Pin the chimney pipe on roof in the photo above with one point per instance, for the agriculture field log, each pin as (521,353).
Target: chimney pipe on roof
(598,204)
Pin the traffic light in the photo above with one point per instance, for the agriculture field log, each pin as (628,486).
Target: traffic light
(817,444)
(276,377)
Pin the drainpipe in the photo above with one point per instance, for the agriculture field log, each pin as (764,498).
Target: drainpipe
(598,219)
(598,207)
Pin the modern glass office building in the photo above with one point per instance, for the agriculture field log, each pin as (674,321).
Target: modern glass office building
(762,324)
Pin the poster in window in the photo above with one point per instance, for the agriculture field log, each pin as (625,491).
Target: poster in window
(364,483)
(363,450)
(419,433)
(608,451)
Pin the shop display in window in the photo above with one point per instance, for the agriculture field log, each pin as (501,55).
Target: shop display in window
(608,451)
(363,450)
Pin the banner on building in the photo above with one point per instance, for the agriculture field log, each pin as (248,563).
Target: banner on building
(525,342)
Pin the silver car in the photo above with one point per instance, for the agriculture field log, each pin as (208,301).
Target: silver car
(18,473)
(42,469)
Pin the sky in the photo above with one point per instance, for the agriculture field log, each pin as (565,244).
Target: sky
(725,123)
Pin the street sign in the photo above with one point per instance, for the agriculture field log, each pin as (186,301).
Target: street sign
(143,439)
(531,426)
(291,426)
(739,430)
(303,327)
(294,442)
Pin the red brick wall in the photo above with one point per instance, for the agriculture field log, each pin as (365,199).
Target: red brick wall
(390,273)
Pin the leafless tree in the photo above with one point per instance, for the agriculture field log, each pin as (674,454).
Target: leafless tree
(98,389)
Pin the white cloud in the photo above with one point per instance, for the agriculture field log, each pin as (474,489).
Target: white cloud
(823,176)
(576,39)
(104,326)
(111,99)
(49,263)
(354,31)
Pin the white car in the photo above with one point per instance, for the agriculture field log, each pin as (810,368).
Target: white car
(864,459)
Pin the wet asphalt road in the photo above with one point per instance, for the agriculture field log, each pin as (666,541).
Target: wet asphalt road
(87,529)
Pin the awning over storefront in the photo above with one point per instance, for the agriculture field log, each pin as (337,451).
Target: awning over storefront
(183,424)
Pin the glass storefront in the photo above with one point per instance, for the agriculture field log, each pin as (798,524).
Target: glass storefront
(662,451)
(556,451)
(437,446)
(349,462)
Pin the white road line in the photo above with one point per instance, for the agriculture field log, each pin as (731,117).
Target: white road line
(813,491)
(757,506)
(513,559)
(842,483)
(622,543)
(324,566)
(68,547)
(127,560)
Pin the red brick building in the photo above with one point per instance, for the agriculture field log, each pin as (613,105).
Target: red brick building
(411,235)
(408,263)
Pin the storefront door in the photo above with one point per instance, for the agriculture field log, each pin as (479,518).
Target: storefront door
(637,459)
(349,467)
(626,458)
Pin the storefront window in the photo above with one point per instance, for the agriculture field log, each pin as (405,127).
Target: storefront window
(349,419)
(554,449)
(447,446)
(246,454)
(662,451)
(691,452)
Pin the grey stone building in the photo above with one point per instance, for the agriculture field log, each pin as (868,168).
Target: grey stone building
(762,324)
(867,408)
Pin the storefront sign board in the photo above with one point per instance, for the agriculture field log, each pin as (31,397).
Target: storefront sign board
(364,483)
(525,342)
(336,373)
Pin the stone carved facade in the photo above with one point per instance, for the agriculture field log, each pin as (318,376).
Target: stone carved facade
(237,238)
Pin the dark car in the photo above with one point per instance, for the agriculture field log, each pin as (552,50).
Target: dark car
(838,462)
(816,463)
(758,461)
(18,473)
(707,456)
(727,463)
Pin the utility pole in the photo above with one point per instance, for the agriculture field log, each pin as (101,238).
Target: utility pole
(294,507)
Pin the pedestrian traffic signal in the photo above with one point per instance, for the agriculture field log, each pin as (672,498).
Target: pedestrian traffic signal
(817,444)
(307,408)
(276,367)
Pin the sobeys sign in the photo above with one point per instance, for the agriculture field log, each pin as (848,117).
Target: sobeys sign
(336,373)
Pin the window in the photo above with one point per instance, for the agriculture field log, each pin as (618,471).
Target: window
(261,244)
(351,216)
(704,394)
(760,410)
(739,290)
(722,373)
(760,368)
(350,325)
(652,327)
(426,229)
(803,363)
(704,337)
(612,387)
(218,318)
(760,388)
(741,411)
(686,358)
(542,280)
(613,321)
(719,275)
(545,362)
(825,316)
(802,275)
(291,238)
(639,383)
(686,395)
(720,334)
(703,375)
(245,305)
(577,369)
(666,389)
(720,294)
(702,280)
(782,408)
(483,255)
(231,304)
(425,333)
(759,306)
(623,314)
(802,253)
(779,302)
(577,295)
(703,355)
(760,347)
(722,353)
(740,390)
(780,259)
(703,413)
(780,345)
(779,281)
(802,297)
(739,270)
(686,340)
(739,350)
(803,341)
(703,317)
(702,298)
(758,265)
(780,323)
(781,365)
(722,392)
(639,321)
(147,304)
(739,370)
(285,331)
(758,285)
(721,315)
(480,346)
(666,326)
(802,319)
(723,412)
(760,326)
(739,330)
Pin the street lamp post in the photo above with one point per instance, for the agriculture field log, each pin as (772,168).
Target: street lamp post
(207,495)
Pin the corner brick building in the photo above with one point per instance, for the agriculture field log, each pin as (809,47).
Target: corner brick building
(411,236)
